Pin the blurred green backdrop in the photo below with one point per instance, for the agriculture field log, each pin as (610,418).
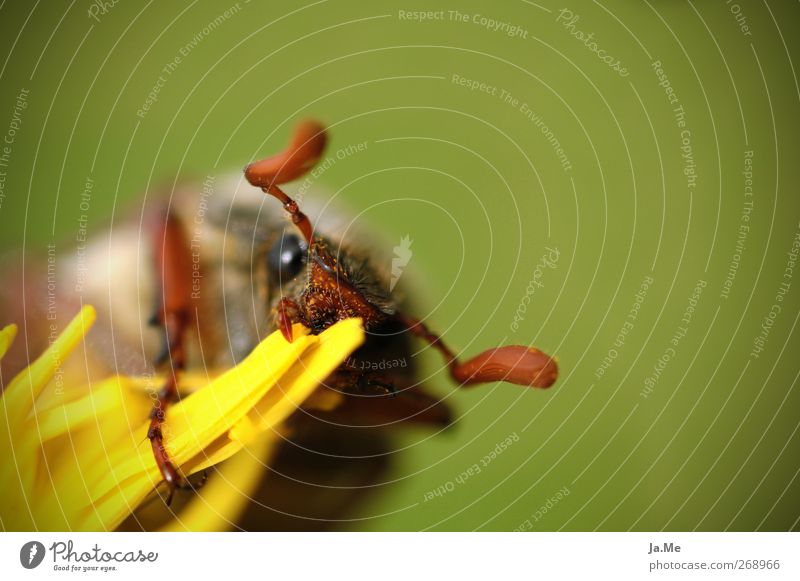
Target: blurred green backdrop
(647,150)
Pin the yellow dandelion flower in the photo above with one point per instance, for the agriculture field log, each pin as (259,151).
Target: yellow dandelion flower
(76,457)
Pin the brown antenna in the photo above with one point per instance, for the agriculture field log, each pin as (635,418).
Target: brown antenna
(302,153)
(515,363)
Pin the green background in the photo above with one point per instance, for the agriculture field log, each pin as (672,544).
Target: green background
(481,192)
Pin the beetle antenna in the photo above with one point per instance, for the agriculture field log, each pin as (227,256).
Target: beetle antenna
(302,153)
(515,364)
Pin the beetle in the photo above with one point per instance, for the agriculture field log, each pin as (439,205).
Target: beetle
(316,279)
(214,268)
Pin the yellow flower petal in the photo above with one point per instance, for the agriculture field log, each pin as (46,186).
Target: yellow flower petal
(86,459)
(7,338)
(219,504)
(196,421)
(19,442)
(293,389)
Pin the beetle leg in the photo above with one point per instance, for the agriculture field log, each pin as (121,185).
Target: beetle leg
(173,273)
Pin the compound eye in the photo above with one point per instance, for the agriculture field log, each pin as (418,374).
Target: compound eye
(286,257)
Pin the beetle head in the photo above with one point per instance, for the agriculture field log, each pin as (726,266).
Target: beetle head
(333,290)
